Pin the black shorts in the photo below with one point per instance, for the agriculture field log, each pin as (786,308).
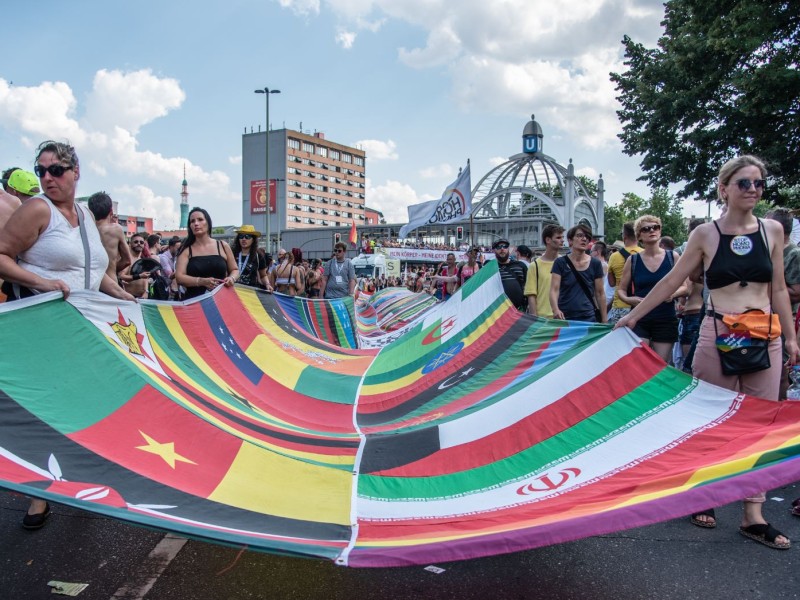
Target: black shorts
(663,330)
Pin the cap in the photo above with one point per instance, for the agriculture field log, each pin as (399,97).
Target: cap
(24,182)
(500,241)
(145,264)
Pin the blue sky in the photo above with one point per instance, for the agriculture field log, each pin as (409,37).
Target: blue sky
(143,88)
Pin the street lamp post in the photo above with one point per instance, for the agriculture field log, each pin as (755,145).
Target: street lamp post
(266,91)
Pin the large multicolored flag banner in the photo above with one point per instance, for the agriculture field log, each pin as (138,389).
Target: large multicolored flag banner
(249,418)
(455,205)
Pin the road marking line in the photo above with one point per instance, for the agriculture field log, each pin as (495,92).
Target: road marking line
(152,568)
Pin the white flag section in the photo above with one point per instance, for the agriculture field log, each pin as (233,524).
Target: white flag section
(454,205)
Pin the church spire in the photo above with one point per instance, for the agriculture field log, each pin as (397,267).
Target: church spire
(184,200)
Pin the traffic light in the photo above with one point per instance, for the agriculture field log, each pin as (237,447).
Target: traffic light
(459,233)
(337,237)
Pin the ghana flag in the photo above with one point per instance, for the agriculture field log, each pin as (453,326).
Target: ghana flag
(248,418)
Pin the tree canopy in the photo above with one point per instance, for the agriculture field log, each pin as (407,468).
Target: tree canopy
(661,205)
(723,81)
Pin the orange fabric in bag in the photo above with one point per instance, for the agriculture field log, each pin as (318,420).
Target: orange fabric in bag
(760,325)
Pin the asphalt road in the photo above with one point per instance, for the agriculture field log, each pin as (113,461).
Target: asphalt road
(664,561)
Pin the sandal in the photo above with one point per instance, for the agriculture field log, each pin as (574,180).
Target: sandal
(766,534)
(796,508)
(704,523)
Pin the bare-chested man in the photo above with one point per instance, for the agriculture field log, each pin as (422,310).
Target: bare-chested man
(136,285)
(8,204)
(119,255)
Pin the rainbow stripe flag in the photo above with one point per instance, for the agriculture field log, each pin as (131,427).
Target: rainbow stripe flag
(249,418)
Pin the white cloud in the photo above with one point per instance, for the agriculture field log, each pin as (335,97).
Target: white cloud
(497,160)
(442,170)
(44,111)
(116,107)
(141,200)
(235,160)
(515,57)
(346,39)
(301,7)
(589,172)
(377,149)
(443,46)
(392,199)
(130,100)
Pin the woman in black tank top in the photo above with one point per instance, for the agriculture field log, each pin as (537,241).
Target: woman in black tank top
(743,260)
(203,262)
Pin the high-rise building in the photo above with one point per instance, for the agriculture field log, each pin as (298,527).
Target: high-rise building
(314,182)
(184,200)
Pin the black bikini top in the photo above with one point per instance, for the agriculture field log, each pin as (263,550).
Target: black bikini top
(740,258)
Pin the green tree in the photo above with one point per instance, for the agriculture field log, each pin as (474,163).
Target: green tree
(723,80)
(630,207)
(589,184)
(660,204)
(668,209)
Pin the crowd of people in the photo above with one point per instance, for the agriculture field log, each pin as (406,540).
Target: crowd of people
(722,306)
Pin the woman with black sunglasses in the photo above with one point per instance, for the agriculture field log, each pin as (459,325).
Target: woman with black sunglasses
(742,257)
(252,265)
(44,247)
(642,271)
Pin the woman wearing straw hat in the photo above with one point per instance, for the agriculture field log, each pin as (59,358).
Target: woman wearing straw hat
(252,266)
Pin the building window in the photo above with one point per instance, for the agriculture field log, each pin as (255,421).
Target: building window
(308,147)
(294,144)
(322,151)
(359,160)
(334,154)
(348,158)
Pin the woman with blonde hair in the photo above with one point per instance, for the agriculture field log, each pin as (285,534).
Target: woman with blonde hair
(659,328)
(742,257)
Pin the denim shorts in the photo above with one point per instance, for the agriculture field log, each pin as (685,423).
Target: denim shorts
(690,328)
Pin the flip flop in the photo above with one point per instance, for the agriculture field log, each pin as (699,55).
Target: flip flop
(796,508)
(704,524)
(764,533)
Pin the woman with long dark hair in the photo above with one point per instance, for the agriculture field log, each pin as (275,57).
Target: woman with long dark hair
(251,264)
(203,262)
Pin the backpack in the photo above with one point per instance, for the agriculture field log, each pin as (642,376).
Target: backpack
(159,289)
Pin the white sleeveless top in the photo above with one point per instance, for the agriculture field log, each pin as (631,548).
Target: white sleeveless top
(58,252)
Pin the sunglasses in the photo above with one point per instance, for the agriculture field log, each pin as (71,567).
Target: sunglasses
(744,184)
(583,236)
(501,247)
(649,228)
(59,170)
(245,236)
(338,250)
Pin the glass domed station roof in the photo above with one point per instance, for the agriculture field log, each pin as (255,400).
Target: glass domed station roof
(533,186)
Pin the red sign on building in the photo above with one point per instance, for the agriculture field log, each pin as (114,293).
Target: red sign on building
(258,196)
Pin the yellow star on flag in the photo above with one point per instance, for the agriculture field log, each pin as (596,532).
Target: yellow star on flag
(164,450)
